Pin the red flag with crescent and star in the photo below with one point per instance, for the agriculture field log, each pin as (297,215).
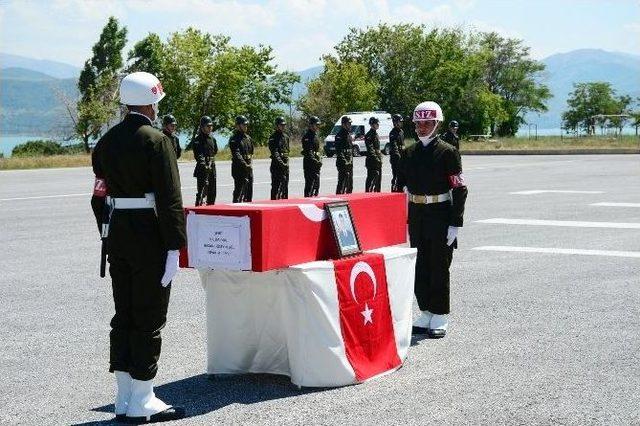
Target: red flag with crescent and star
(365,315)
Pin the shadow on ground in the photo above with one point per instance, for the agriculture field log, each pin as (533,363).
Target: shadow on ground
(203,394)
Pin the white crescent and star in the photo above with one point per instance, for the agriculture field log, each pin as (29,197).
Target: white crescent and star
(310,211)
(363,268)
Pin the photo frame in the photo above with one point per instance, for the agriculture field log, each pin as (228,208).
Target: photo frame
(344,231)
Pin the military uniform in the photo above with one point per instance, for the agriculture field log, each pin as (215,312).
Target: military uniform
(433,170)
(134,159)
(451,138)
(311,163)
(174,141)
(205,148)
(373,162)
(241,148)
(396,148)
(344,161)
(279,147)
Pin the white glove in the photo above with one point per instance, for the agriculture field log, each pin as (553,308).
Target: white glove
(171,267)
(452,234)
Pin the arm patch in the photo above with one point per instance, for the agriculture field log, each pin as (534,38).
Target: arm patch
(456,181)
(100,187)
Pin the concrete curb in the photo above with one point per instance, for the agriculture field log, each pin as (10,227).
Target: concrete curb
(584,151)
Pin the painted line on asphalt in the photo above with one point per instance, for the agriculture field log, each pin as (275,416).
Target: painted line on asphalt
(611,253)
(553,191)
(515,166)
(563,223)
(615,204)
(84,194)
(224,185)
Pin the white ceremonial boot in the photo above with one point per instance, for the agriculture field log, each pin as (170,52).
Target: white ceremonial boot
(123,380)
(423,321)
(145,407)
(438,326)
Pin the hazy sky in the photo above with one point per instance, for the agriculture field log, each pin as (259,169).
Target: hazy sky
(300,31)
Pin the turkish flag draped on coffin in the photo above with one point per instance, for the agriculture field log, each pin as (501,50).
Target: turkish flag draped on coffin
(365,315)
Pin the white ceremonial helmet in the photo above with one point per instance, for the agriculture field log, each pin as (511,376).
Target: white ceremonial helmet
(427,111)
(140,88)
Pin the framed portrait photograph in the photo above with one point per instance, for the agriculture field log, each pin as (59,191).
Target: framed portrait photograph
(344,232)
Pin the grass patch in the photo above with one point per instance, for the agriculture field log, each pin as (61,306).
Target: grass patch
(45,162)
(542,143)
(84,160)
(552,142)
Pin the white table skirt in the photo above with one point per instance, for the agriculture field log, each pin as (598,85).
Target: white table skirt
(286,321)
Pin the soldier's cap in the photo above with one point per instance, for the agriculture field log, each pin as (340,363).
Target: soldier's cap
(206,121)
(373,120)
(345,119)
(169,119)
(454,124)
(314,120)
(280,120)
(241,119)
(396,117)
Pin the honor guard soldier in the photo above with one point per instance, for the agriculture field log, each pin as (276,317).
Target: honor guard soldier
(344,157)
(373,162)
(205,148)
(279,147)
(431,170)
(241,147)
(138,205)
(312,161)
(451,135)
(169,125)
(396,149)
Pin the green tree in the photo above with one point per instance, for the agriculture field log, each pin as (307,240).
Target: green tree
(341,87)
(204,75)
(589,103)
(511,74)
(482,80)
(98,83)
(147,55)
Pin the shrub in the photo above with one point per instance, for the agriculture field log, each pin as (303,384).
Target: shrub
(37,148)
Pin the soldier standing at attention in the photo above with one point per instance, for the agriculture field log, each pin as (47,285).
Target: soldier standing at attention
(312,161)
(344,157)
(279,147)
(373,161)
(169,125)
(396,149)
(432,172)
(138,206)
(451,135)
(205,148)
(241,147)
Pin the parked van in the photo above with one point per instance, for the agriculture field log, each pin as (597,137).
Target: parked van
(360,126)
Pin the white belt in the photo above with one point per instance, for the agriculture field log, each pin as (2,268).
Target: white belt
(148,202)
(429,199)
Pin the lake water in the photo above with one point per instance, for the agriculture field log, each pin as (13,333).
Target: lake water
(8,142)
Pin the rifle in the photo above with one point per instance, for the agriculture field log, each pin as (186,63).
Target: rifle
(204,195)
(243,190)
(104,234)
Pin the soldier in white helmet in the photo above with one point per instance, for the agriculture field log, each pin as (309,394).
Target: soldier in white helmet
(431,172)
(138,206)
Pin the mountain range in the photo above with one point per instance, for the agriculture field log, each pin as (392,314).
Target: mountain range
(32,90)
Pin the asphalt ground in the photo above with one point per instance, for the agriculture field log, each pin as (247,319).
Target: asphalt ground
(535,338)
